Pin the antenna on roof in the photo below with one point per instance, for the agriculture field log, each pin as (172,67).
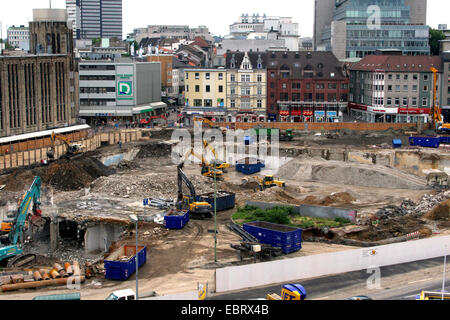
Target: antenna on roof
(50,3)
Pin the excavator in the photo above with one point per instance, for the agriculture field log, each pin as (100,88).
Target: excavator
(435,112)
(72,148)
(211,124)
(197,210)
(218,164)
(265,183)
(10,250)
(207,169)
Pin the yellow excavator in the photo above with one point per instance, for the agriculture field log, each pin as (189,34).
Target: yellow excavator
(207,169)
(267,182)
(211,124)
(72,148)
(435,112)
(218,164)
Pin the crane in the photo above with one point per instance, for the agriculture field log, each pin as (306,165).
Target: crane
(72,148)
(435,111)
(218,164)
(11,250)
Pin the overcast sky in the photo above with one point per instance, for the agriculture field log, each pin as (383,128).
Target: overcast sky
(217,15)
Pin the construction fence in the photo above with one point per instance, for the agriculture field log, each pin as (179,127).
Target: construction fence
(287,270)
(356,126)
(35,150)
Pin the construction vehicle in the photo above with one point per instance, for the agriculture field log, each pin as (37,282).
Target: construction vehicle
(11,250)
(218,164)
(150,120)
(267,182)
(211,124)
(197,210)
(207,169)
(72,148)
(435,112)
(289,292)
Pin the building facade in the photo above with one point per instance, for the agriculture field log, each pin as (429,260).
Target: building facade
(19,37)
(95,18)
(36,94)
(393,88)
(246,86)
(359,27)
(445,86)
(166,61)
(206,93)
(121,90)
(305,87)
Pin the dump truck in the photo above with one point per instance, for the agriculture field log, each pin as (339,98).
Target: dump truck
(121,264)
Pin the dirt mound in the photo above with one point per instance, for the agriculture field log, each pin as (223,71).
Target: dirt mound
(154,150)
(441,212)
(340,198)
(67,175)
(18,180)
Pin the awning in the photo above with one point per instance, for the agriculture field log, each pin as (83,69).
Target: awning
(143,109)
(158,105)
(40,134)
(97,113)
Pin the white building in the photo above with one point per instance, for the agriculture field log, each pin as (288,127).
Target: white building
(19,37)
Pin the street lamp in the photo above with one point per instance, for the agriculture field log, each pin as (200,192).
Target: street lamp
(135,219)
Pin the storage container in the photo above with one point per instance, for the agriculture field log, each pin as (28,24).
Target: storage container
(396,143)
(121,264)
(176,221)
(289,239)
(444,140)
(429,142)
(225,200)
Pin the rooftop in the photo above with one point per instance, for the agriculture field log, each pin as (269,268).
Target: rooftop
(396,63)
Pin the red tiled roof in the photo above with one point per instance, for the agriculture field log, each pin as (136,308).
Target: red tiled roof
(397,63)
(199,41)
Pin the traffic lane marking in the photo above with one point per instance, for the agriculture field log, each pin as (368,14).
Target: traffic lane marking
(411,282)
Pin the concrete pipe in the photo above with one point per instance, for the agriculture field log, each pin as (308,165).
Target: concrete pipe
(68,268)
(37,284)
(54,274)
(63,274)
(76,268)
(37,276)
(58,267)
(45,276)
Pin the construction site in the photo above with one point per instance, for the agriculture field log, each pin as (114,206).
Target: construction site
(345,189)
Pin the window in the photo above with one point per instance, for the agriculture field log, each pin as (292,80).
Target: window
(233,90)
(424,102)
(397,77)
(415,77)
(284,86)
(272,74)
(414,102)
(259,91)
(320,86)
(332,86)
(197,76)
(233,103)
(220,88)
(405,88)
(390,76)
(259,78)
(405,101)
(197,103)
(397,102)
(296,85)
(425,88)
(187,76)
(208,88)
(425,77)
(397,88)
(197,88)
(245,91)
(389,101)
(344,86)
(389,87)
(232,78)
(208,103)
(414,88)
(208,76)
(259,104)
(220,76)
(272,85)
(187,88)
(405,77)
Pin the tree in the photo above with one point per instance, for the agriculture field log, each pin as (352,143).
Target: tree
(435,37)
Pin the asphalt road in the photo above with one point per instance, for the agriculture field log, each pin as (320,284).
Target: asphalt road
(397,282)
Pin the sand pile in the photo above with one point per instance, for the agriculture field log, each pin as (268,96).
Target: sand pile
(441,212)
(340,198)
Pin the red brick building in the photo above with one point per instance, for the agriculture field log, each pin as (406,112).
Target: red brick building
(305,87)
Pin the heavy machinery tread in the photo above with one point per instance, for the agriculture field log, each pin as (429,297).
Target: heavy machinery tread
(21,260)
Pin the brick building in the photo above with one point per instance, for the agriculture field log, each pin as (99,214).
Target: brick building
(305,87)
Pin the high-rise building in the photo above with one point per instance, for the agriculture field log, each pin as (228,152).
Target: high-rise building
(360,27)
(19,37)
(95,18)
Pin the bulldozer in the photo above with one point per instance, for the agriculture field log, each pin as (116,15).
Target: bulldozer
(265,183)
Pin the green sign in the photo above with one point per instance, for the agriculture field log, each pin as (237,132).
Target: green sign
(125,88)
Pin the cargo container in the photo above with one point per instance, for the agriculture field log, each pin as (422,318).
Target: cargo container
(225,200)
(444,140)
(249,166)
(289,239)
(396,143)
(429,142)
(121,264)
(176,220)
(65,297)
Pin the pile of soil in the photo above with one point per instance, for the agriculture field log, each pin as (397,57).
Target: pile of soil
(340,198)
(154,150)
(68,175)
(441,212)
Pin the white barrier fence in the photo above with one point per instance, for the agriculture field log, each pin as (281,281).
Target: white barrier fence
(261,274)
(192,295)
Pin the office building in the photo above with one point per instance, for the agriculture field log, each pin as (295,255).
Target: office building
(357,29)
(122,90)
(96,18)
(393,88)
(19,37)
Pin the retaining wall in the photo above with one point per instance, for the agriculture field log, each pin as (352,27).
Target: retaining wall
(287,270)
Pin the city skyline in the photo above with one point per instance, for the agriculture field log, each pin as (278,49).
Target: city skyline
(20,13)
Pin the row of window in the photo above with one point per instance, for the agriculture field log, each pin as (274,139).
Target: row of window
(380,76)
(205,102)
(97,90)
(207,88)
(396,102)
(207,76)
(246,104)
(308,97)
(319,86)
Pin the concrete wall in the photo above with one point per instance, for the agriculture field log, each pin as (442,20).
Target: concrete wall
(416,161)
(260,274)
(117,158)
(148,82)
(100,237)
(322,126)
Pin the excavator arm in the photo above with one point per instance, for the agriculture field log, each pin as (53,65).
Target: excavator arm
(435,111)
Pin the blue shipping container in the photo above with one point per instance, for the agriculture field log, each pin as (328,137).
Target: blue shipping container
(225,200)
(445,140)
(429,142)
(176,222)
(396,143)
(122,270)
(287,238)
(249,168)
